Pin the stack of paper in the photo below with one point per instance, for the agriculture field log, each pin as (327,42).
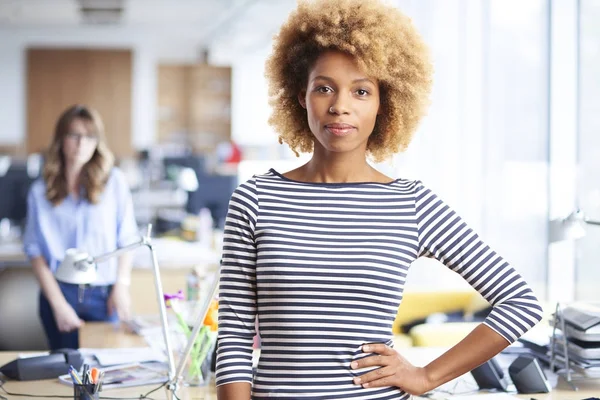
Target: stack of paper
(129,355)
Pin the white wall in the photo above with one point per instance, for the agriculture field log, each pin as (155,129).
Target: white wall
(148,48)
(12,84)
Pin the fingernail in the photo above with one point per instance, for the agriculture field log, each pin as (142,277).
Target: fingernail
(354,364)
(366,385)
(366,348)
(357,380)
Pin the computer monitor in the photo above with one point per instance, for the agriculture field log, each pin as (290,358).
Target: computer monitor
(14,186)
(214,191)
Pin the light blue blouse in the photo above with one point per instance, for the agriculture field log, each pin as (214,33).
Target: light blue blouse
(93,228)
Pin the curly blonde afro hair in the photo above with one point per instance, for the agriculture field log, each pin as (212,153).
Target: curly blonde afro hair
(385,44)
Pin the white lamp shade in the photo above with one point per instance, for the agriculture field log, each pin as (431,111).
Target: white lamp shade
(187,179)
(570,228)
(74,268)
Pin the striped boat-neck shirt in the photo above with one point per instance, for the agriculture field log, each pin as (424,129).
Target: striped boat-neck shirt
(323,267)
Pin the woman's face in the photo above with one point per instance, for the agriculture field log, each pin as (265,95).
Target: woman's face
(342,103)
(79,144)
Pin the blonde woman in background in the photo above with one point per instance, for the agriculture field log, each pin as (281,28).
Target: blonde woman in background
(81,202)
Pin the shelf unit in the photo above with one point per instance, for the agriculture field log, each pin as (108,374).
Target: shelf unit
(194,105)
(561,362)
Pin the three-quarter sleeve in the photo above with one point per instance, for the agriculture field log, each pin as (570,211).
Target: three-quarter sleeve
(443,234)
(127,230)
(31,242)
(237,291)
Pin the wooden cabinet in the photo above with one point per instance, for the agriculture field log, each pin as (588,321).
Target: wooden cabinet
(194,105)
(59,78)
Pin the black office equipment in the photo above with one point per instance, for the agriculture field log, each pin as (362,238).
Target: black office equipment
(527,376)
(214,191)
(43,367)
(489,375)
(14,186)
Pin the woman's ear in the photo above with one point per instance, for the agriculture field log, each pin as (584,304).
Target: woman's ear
(302,98)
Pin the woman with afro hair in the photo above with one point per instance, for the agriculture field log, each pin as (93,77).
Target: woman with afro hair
(319,255)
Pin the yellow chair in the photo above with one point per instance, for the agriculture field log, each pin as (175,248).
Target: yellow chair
(418,305)
(446,334)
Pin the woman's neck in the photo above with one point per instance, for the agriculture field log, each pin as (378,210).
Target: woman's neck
(336,172)
(332,167)
(73,174)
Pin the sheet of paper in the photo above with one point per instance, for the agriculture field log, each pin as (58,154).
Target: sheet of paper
(127,355)
(29,355)
(479,396)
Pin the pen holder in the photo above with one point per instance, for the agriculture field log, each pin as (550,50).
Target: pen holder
(85,392)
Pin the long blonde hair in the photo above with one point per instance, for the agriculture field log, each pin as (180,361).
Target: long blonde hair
(94,173)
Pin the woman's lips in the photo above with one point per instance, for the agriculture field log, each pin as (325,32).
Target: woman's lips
(340,129)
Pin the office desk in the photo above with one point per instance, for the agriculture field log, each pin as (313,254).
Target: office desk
(20,326)
(51,387)
(99,335)
(11,254)
(104,335)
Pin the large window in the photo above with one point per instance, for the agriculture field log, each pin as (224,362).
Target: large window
(516,135)
(588,248)
(483,146)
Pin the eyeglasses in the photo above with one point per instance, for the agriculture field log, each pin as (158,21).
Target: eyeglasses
(78,137)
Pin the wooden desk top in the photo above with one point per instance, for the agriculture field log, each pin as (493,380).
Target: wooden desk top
(95,335)
(98,335)
(51,387)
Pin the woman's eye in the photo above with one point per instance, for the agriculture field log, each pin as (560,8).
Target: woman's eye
(324,89)
(362,92)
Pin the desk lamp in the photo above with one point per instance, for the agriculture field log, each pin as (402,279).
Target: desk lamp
(80,268)
(570,228)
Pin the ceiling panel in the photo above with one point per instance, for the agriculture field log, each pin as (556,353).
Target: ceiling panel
(237,25)
(38,12)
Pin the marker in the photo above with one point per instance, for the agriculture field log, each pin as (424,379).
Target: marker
(94,373)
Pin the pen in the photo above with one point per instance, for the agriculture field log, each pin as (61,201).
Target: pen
(85,374)
(100,381)
(74,378)
(74,375)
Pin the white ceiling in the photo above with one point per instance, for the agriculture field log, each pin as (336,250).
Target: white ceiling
(236,22)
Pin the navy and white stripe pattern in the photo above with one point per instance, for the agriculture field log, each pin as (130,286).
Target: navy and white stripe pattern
(324,266)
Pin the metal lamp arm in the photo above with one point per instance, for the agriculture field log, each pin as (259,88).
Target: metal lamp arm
(174,373)
(118,252)
(591,222)
(146,241)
